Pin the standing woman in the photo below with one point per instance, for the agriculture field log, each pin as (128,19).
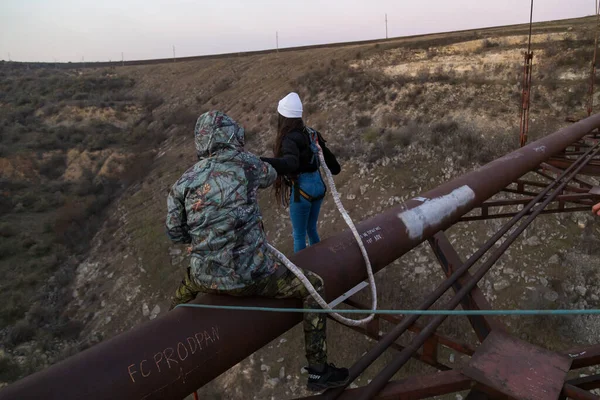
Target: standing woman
(299,182)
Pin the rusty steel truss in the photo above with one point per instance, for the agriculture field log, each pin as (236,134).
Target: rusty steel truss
(590,105)
(526,86)
(173,355)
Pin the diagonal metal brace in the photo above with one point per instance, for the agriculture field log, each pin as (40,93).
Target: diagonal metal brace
(450,260)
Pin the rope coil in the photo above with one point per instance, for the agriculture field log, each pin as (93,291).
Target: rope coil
(298,272)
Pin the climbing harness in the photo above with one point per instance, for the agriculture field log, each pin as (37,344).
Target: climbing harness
(299,192)
(294,180)
(298,272)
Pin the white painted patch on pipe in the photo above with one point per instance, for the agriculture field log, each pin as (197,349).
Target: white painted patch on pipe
(433,211)
(421,199)
(540,149)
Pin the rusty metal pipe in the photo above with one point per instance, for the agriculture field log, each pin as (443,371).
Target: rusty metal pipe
(174,354)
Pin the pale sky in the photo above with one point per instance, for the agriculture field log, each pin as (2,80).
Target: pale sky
(99,30)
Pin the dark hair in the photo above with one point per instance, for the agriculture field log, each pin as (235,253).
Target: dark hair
(284,126)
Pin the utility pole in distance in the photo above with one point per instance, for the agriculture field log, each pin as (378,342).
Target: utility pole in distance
(386,31)
(173,53)
(9,56)
(122,60)
(277,40)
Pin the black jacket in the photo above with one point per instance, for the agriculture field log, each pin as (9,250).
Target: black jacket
(297,155)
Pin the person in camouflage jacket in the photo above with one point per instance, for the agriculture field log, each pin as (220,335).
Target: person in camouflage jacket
(214,207)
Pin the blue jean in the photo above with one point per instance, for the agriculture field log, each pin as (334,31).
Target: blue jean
(305,214)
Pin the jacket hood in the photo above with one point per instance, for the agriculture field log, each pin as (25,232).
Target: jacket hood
(216,131)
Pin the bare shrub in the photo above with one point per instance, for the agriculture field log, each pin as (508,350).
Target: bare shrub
(67,329)
(311,108)
(150,101)
(21,332)
(552,51)
(342,151)
(222,85)
(40,315)
(423,75)
(9,370)
(412,96)
(363,121)
(463,138)
(372,134)
(400,137)
(7,230)
(54,167)
(180,116)
(392,119)
(489,44)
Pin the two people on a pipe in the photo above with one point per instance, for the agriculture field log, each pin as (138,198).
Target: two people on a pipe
(214,208)
(299,183)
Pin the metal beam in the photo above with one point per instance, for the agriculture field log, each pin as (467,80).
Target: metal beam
(512,214)
(586,382)
(559,171)
(573,392)
(450,261)
(584,356)
(176,353)
(591,169)
(543,185)
(453,344)
(423,357)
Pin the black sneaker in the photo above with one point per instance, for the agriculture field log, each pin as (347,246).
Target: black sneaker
(329,377)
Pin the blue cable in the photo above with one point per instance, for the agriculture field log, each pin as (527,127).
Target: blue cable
(399,312)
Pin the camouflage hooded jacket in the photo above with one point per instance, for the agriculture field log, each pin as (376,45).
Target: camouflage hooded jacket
(214,207)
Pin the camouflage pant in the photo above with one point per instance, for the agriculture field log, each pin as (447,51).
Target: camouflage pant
(284,286)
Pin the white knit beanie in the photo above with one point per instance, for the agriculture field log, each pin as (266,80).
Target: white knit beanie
(290,106)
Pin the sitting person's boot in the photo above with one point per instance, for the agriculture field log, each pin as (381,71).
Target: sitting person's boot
(326,376)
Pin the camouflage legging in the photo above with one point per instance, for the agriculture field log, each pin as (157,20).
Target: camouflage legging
(280,287)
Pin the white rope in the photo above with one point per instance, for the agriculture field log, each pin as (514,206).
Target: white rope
(298,272)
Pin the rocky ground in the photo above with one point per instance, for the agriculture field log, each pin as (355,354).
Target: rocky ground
(403,116)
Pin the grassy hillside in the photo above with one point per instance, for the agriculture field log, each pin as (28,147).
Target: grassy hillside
(71,142)
(87,157)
